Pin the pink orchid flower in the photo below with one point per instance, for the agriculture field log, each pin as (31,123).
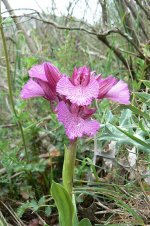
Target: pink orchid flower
(84,86)
(76,120)
(42,82)
(74,95)
(81,88)
(113,89)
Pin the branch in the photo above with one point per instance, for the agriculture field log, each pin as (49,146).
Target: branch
(116,51)
(143,8)
(131,41)
(90,52)
(93,32)
(8,125)
(101,36)
(127,20)
(104,12)
(19,26)
(132,7)
(24,9)
(56,25)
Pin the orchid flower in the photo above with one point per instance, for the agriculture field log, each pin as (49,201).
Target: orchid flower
(113,89)
(75,120)
(73,95)
(42,82)
(81,88)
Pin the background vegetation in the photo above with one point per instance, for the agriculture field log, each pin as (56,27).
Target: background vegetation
(112,174)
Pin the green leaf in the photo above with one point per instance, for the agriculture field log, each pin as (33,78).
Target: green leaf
(93,168)
(29,61)
(141,142)
(41,202)
(125,118)
(75,219)
(64,204)
(34,205)
(143,96)
(48,211)
(3,221)
(137,111)
(146,83)
(85,222)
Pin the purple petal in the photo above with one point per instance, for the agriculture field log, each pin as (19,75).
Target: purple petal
(105,85)
(31,89)
(119,93)
(52,74)
(81,76)
(80,95)
(74,125)
(38,72)
(49,91)
(75,79)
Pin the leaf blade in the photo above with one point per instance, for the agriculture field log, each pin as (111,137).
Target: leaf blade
(85,222)
(141,142)
(64,204)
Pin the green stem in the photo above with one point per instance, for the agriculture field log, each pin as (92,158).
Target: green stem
(68,167)
(9,85)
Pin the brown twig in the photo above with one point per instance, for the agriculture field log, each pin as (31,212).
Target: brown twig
(136,15)
(104,12)
(8,125)
(92,31)
(127,21)
(143,8)
(19,26)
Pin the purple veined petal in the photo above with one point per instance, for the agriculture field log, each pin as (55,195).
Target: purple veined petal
(31,89)
(105,85)
(49,91)
(52,74)
(85,76)
(81,76)
(119,93)
(75,79)
(74,125)
(37,71)
(80,95)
